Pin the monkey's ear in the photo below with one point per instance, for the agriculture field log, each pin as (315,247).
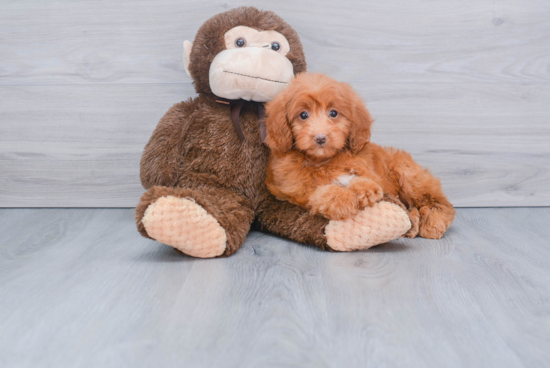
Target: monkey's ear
(361,124)
(279,135)
(186,54)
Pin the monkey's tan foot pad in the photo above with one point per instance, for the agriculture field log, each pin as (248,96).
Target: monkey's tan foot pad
(186,226)
(372,226)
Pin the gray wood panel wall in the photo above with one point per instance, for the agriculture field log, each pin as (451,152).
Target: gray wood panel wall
(463,85)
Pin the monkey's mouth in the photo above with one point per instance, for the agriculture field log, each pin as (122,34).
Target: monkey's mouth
(251,76)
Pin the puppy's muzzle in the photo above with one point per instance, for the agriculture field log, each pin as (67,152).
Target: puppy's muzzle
(320,139)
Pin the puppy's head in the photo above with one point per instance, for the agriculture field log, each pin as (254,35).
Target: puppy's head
(317,116)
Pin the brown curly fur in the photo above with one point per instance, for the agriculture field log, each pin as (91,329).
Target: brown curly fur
(306,172)
(194,151)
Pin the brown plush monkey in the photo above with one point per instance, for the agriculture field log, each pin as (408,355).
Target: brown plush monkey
(204,170)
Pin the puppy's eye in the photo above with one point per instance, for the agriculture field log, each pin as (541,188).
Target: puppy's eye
(333,113)
(304,115)
(240,42)
(275,46)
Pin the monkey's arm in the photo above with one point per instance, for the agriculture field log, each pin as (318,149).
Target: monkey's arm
(292,222)
(161,159)
(378,224)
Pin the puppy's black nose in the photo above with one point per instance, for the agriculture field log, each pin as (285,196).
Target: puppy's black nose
(320,138)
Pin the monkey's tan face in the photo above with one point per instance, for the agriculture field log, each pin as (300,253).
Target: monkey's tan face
(253,67)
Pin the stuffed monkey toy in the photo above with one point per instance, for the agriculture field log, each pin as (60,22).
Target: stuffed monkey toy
(205,165)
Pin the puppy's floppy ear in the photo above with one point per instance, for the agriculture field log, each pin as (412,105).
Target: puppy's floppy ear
(279,135)
(361,121)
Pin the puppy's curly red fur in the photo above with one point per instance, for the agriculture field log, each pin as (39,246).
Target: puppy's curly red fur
(318,131)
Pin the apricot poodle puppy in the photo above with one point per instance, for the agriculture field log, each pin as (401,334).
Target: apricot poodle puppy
(321,159)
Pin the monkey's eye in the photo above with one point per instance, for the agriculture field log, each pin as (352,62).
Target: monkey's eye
(275,46)
(240,42)
(304,115)
(333,113)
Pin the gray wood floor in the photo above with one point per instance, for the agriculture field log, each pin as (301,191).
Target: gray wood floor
(80,288)
(463,85)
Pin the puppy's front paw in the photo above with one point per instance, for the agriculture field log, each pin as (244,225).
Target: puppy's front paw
(334,202)
(368,192)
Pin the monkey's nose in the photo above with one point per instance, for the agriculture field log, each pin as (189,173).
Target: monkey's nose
(320,138)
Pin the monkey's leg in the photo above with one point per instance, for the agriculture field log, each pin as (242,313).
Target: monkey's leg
(204,223)
(382,222)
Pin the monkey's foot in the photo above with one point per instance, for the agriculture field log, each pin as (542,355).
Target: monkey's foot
(374,225)
(186,226)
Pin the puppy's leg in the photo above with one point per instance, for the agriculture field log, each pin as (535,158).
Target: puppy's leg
(434,221)
(334,202)
(414,216)
(368,192)
(418,188)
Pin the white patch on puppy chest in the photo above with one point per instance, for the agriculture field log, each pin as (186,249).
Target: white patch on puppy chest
(344,180)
